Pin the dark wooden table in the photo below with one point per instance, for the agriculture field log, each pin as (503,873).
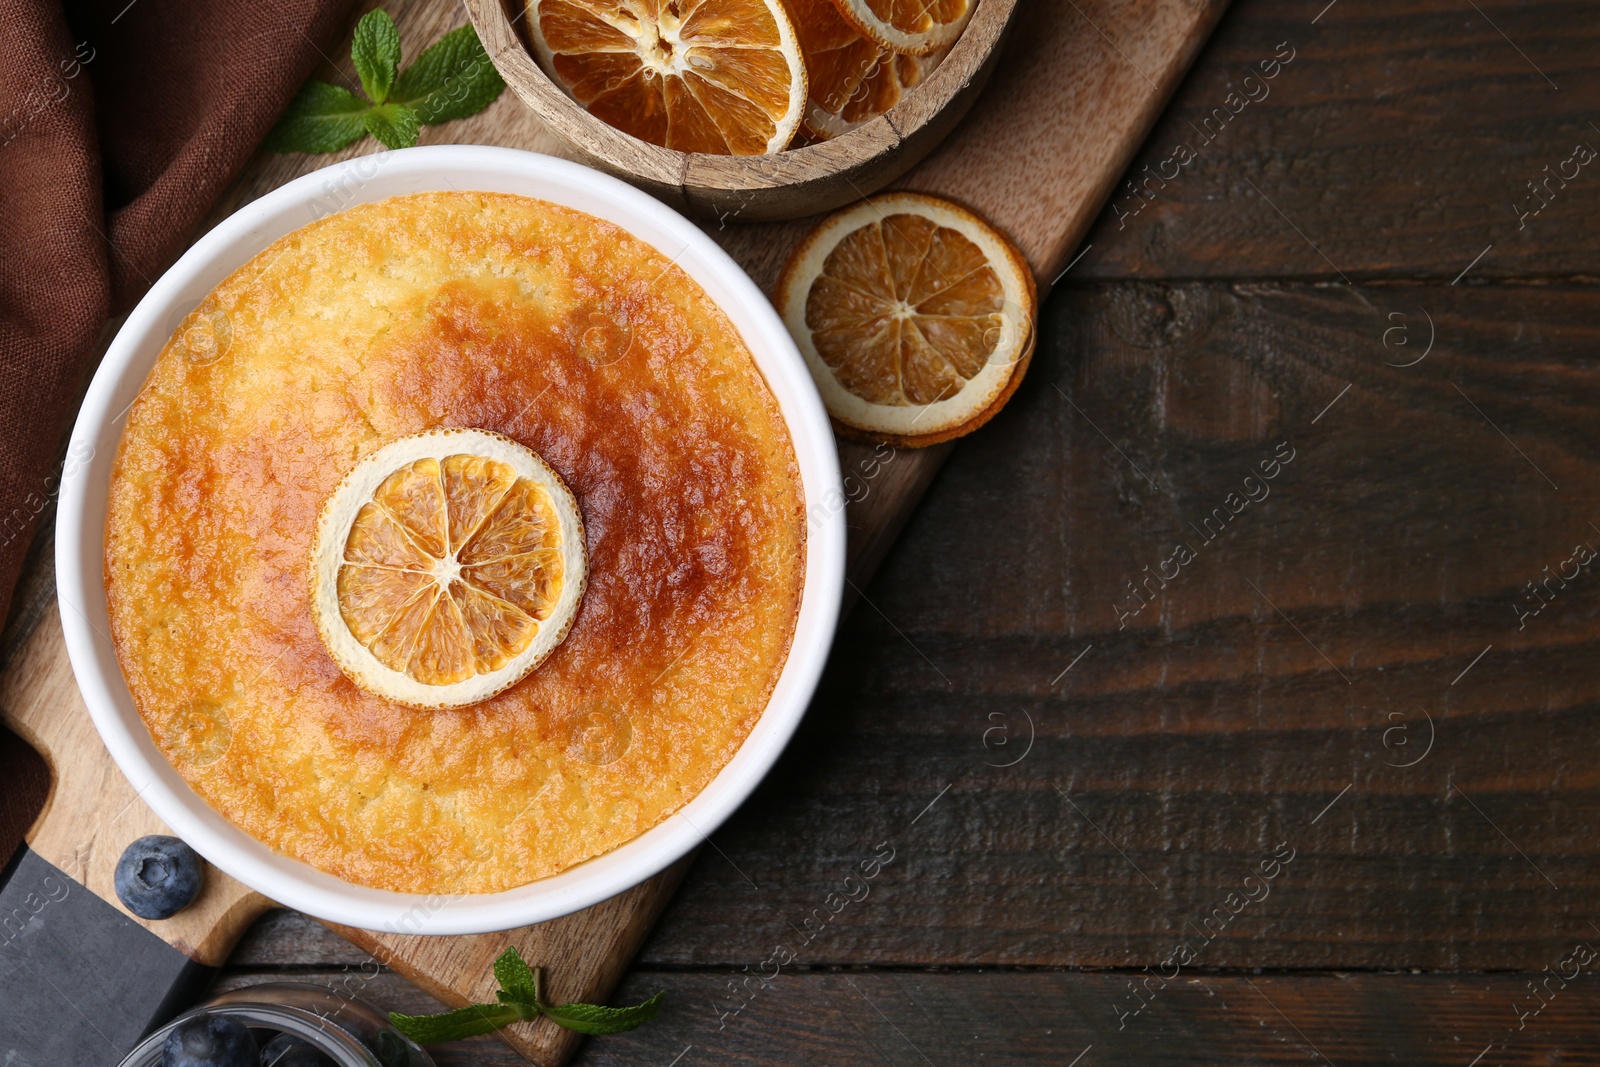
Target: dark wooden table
(1337,747)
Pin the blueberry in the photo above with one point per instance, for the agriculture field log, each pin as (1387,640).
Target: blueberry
(210,1041)
(286,1050)
(158,876)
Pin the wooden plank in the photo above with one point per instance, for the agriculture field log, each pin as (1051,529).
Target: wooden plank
(1030,1017)
(1397,140)
(913,1019)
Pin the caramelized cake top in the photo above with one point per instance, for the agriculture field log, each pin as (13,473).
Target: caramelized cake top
(558,330)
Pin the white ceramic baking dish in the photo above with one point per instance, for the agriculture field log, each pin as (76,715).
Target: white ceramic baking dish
(80,537)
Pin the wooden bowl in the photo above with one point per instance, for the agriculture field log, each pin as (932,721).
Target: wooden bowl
(785,185)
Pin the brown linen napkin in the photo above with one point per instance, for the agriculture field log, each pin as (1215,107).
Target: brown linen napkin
(120,124)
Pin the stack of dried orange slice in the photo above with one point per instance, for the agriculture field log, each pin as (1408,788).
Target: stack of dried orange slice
(860,63)
(740,77)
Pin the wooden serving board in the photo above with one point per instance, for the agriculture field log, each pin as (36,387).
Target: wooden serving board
(1080,84)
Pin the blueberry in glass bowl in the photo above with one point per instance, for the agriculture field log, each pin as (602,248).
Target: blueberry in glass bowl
(302,1025)
(210,1041)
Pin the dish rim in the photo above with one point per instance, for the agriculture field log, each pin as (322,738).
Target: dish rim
(80,538)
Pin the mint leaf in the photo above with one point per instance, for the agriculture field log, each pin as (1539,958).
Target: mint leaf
(393,124)
(321,118)
(520,1000)
(518,984)
(452,79)
(376,52)
(596,1019)
(470,1021)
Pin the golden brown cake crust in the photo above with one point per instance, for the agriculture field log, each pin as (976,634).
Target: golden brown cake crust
(455,309)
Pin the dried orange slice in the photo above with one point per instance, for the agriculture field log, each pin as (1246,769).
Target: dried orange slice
(913,27)
(914,315)
(716,76)
(850,79)
(447,565)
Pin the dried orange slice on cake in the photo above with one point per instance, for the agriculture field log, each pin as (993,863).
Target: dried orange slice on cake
(447,565)
(914,315)
(850,79)
(718,76)
(912,27)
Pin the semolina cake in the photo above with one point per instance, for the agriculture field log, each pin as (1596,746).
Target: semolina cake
(562,333)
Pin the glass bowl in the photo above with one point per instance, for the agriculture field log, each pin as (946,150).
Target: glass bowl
(350,1032)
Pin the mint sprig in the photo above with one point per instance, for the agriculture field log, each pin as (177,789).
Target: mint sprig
(451,79)
(520,1000)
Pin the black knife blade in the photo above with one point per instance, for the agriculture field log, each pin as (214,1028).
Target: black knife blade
(80,982)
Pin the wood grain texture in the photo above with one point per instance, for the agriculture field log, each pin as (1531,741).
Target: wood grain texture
(1071,102)
(912,1019)
(1396,141)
